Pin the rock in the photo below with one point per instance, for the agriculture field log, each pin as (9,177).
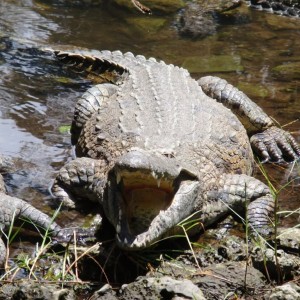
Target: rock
(289,238)
(288,291)
(146,24)
(253,90)
(285,265)
(6,164)
(276,23)
(34,291)
(213,64)
(288,71)
(2,185)
(174,288)
(219,280)
(106,292)
(155,288)
(233,248)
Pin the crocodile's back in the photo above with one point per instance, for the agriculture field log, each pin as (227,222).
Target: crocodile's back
(161,108)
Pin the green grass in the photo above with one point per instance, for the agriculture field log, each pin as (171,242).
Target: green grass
(44,264)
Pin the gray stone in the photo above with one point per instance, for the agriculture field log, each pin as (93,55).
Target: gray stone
(289,238)
(285,265)
(288,291)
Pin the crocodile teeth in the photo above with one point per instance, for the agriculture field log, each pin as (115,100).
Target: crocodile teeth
(158,182)
(154,175)
(119,177)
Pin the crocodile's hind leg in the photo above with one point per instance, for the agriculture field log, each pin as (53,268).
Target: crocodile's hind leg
(267,140)
(79,180)
(88,104)
(238,192)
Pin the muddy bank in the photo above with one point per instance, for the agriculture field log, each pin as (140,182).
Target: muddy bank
(226,268)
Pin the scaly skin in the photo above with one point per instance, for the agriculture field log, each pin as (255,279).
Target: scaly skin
(289,8)
(156,148)
(13,208)
(201,18)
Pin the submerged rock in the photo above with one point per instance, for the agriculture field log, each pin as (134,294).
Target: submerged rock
(253,90)
(213,64)
(287,72)
(144,24)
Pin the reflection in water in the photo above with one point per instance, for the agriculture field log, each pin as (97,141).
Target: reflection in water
(37,96)
(12,138)
(34,160)
(19,19)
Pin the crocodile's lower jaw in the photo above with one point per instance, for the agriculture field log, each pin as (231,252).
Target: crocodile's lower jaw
(147,224)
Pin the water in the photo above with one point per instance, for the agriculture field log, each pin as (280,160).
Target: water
(36,99)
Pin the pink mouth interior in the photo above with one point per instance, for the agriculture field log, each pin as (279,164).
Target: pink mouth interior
(144,197)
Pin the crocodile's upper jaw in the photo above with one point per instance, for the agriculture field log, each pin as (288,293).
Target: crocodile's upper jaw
(150,203)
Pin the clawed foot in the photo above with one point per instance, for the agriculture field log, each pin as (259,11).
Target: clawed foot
(275,144)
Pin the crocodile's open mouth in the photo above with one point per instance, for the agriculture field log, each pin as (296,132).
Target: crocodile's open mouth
(144,196)
(150,194)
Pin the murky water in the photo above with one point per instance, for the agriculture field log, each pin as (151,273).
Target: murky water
(36,99)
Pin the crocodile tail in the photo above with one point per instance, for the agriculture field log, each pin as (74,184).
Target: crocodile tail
(97,69)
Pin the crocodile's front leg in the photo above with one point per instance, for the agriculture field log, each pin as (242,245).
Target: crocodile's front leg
(235,194)
(15,208)
(12,208)
(80,179)
(267,140)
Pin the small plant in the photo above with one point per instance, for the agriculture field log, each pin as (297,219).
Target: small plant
(276,192)
(45,264)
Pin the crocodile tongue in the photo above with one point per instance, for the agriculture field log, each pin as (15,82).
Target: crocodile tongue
(153,195)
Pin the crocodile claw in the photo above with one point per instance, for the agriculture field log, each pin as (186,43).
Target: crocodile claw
(275,144)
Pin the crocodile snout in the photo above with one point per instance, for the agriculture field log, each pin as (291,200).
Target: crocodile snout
(147,185)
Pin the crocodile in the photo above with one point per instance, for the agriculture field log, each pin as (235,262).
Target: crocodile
(13,209)
(200,18)
(154,147)
(289,8)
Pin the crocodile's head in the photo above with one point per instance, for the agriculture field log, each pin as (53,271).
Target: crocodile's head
(148,195)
